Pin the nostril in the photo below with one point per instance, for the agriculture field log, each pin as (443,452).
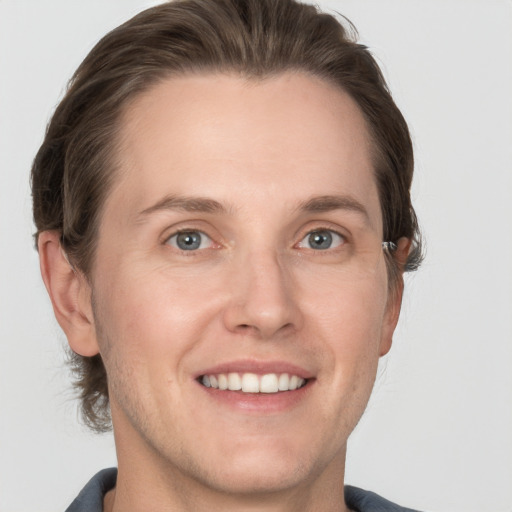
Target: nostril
(245,328)
(253,330)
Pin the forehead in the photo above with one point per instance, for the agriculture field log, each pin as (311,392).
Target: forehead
(285,138)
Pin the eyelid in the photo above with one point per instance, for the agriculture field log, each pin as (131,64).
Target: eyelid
(192,226)
(343,240)
(323,226)
(304,232)
(188,224)
(204,235)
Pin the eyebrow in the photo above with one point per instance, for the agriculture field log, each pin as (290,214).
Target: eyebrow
(186,204)
(329,203)
(317,204)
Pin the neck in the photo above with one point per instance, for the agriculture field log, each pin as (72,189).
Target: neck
(127,498)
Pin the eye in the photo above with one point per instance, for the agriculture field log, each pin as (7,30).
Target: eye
(190,241)
(321,240)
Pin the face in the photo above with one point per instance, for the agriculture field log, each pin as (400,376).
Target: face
(241,247)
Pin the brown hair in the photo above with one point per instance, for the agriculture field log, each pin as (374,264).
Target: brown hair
(74,168)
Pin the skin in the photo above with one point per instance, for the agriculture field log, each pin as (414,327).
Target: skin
(254,291)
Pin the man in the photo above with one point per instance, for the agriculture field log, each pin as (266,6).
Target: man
(223,219)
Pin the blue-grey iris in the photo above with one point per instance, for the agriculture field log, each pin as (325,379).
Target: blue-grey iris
(320,240)
(188,240)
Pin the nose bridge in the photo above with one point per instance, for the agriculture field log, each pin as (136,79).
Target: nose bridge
(262,294)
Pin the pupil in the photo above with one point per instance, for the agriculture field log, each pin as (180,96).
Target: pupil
(188,241)
(320,240)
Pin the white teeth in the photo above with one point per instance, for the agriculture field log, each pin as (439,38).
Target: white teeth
(269,383)
(223,381)
(284,381)
(234,382)
(250,383)
(253,383)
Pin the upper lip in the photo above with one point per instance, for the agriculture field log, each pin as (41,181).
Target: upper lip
(258,367)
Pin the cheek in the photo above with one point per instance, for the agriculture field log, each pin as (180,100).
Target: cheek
(354,309)
(351,317)
(354,340)
(149,313)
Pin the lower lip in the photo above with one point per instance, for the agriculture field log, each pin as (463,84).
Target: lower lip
(259,403)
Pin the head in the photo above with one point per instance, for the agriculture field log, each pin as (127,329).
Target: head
(80,162)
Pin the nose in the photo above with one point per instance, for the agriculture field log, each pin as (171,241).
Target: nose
(263,299)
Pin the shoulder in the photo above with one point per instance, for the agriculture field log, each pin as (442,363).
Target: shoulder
(360,500)
(91,496)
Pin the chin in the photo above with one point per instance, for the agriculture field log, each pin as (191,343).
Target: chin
(267,478)
(260,470)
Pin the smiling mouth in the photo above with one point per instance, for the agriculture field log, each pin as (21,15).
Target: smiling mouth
(252,382)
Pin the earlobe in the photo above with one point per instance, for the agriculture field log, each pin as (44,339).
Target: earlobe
(394,304)
(69,293)
(391,318)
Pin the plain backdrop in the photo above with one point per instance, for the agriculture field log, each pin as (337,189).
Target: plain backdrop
(437,434)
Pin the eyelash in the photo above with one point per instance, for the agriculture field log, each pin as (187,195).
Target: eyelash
(189,232)
(343,240)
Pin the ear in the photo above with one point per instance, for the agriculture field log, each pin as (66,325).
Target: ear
(70,294)
(395,294)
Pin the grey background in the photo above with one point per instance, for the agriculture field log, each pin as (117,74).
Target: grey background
(437,433)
